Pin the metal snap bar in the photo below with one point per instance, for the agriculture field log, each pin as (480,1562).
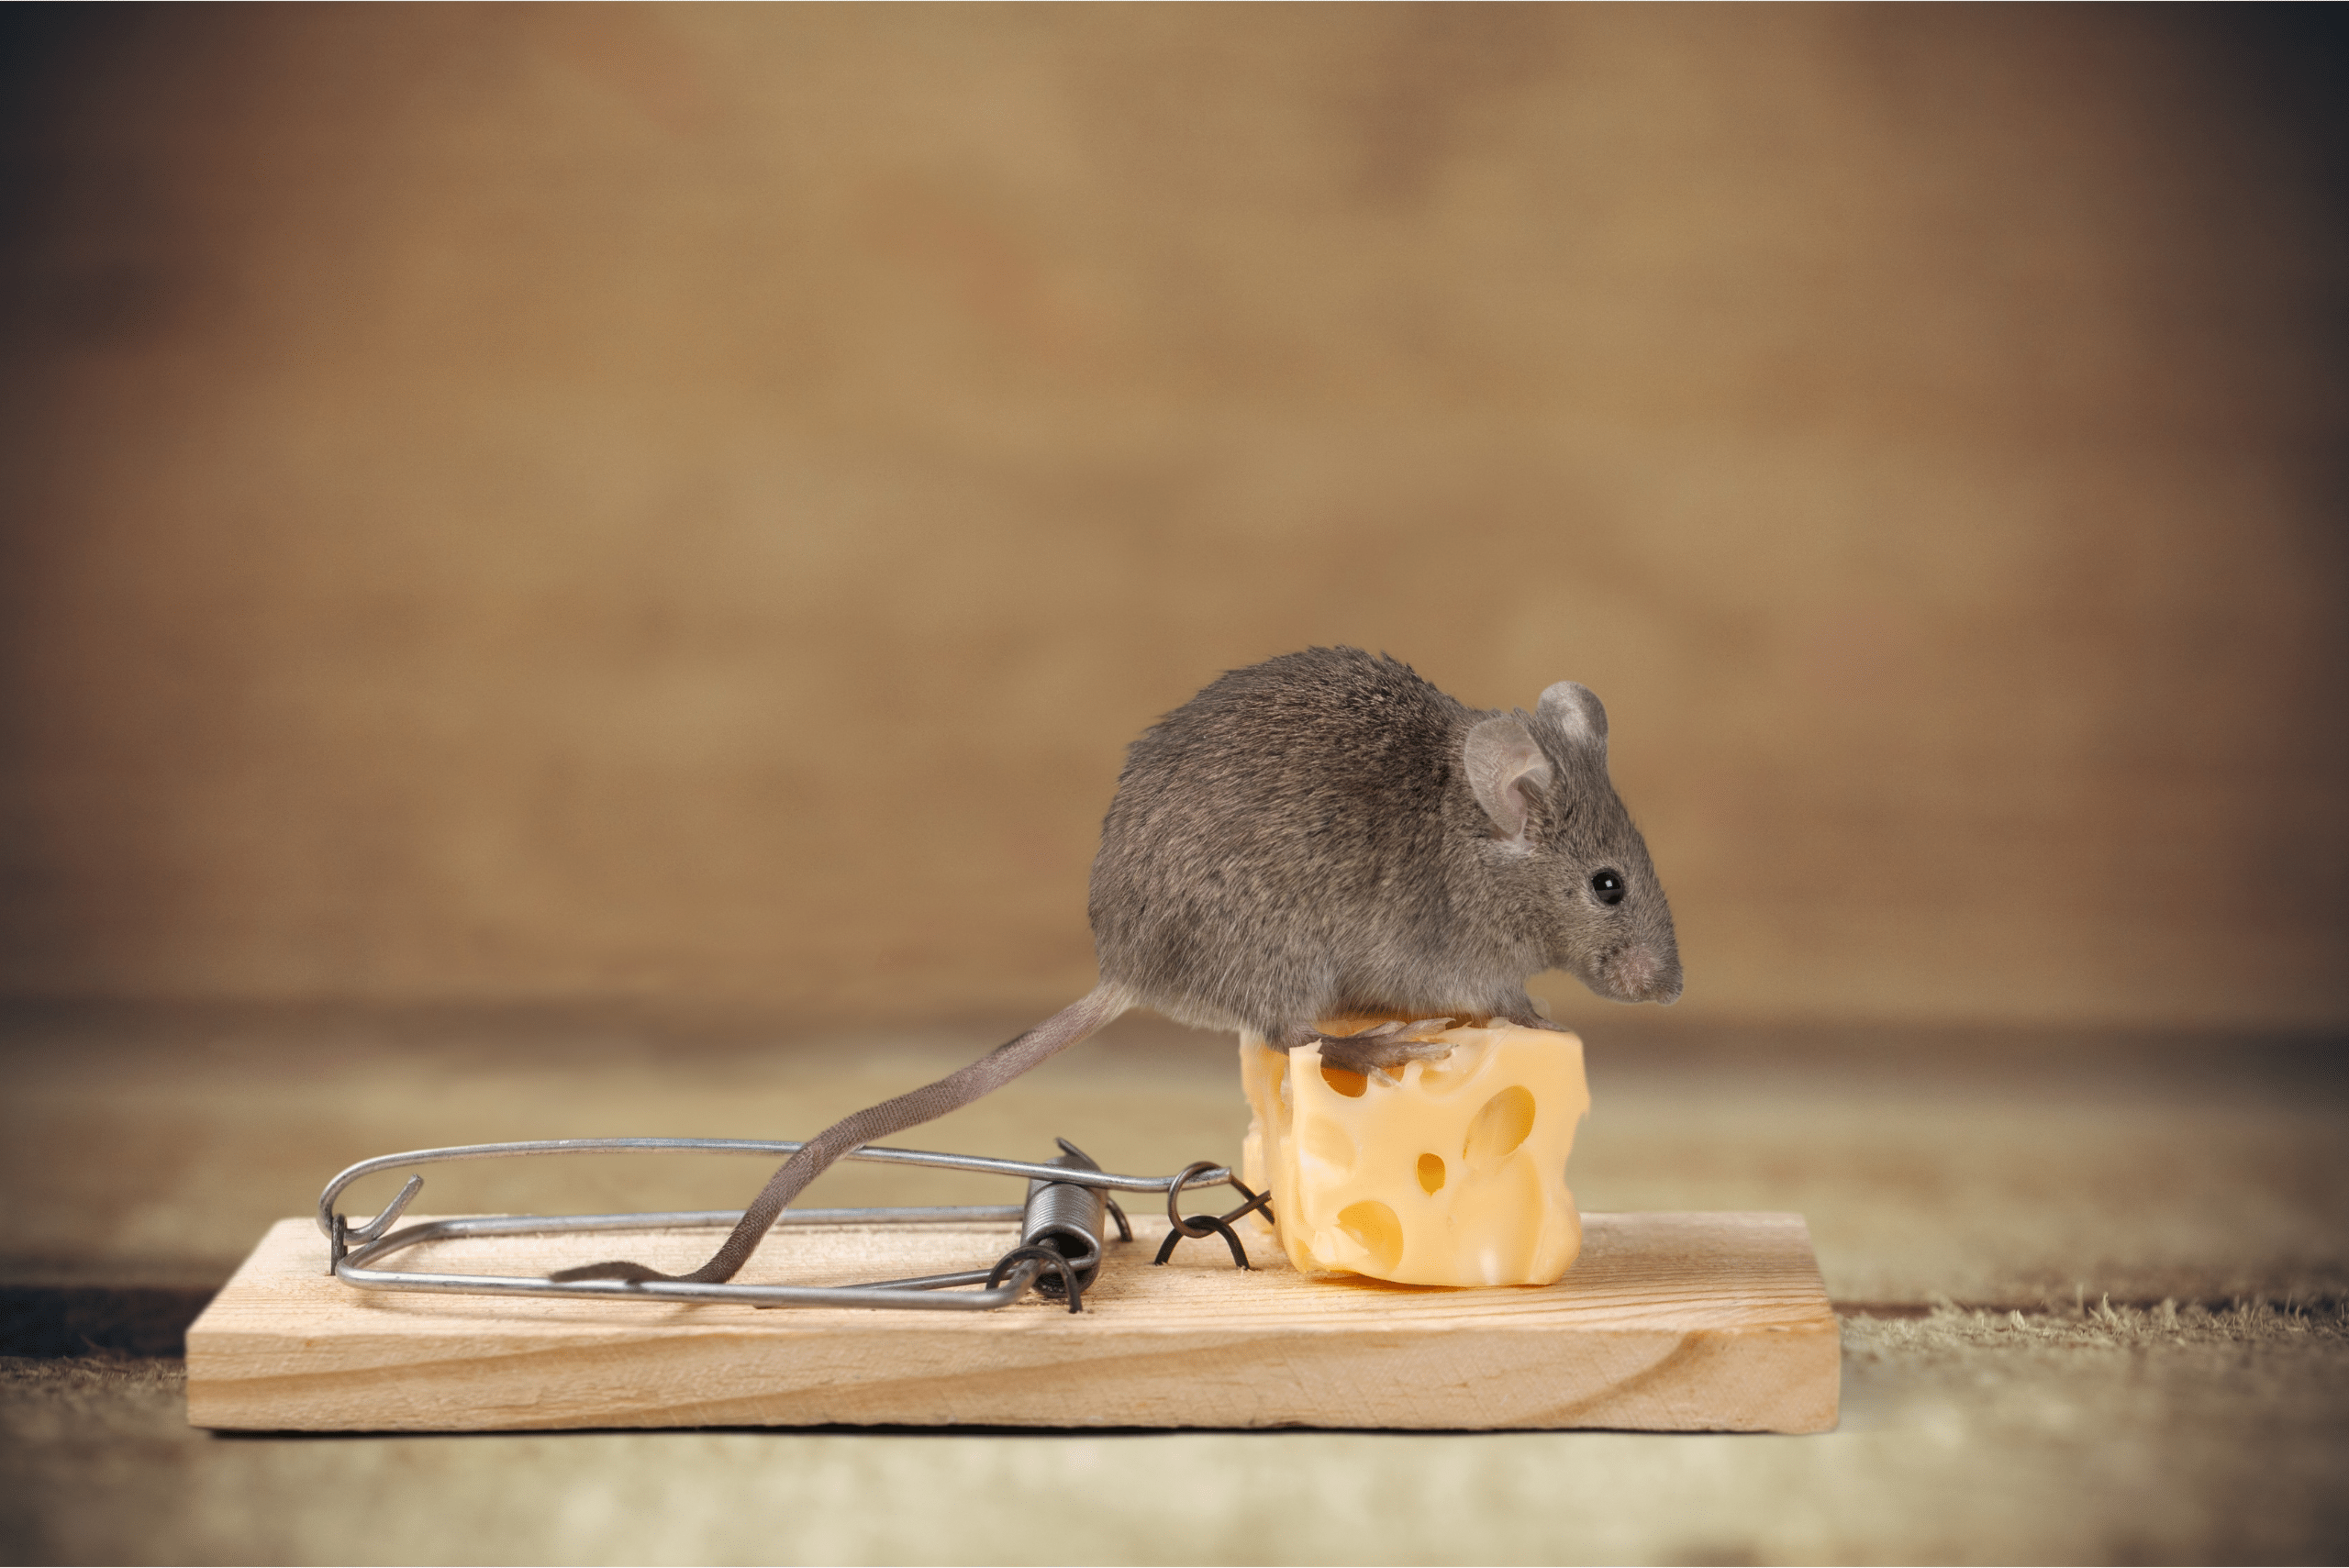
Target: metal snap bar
(1058,1254)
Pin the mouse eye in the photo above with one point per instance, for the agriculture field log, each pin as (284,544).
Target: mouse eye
(1606,887)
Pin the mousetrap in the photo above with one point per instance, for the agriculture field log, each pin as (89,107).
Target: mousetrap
(1056,1311)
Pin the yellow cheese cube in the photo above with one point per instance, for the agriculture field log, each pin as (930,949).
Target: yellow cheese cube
(1445,1172)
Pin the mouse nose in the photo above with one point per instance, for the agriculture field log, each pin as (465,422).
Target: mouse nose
(1640,973)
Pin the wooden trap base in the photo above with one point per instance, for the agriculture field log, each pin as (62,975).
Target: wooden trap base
(1667,1322)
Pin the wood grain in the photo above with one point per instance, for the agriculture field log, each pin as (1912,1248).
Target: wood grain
(1667,1322)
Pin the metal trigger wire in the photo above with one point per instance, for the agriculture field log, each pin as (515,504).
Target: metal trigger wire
(1212,1226)
(1193,1227)
(1190,1173)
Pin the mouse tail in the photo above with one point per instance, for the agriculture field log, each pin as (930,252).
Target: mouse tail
(957,1089)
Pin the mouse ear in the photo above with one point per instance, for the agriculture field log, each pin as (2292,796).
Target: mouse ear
(1504,767)
(1576,710)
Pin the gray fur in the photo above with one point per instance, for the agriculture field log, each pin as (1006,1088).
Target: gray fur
(1304,839)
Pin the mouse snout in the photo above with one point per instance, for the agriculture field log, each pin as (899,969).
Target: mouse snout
(1641,974)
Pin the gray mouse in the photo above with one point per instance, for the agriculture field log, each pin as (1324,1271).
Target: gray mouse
(1321,834)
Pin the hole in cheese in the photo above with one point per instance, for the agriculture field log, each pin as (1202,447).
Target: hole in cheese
(1350,1084)
(1501,1124)
(1430,1173)
(1375,1227)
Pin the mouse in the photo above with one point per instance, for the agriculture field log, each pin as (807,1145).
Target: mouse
(1319,835)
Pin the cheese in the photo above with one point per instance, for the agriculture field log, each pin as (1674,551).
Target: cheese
(1445,1172)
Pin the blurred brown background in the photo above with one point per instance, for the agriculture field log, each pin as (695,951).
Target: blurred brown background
(550,557)
(689,504)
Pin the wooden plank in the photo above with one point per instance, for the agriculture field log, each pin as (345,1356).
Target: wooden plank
(1667,1322)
